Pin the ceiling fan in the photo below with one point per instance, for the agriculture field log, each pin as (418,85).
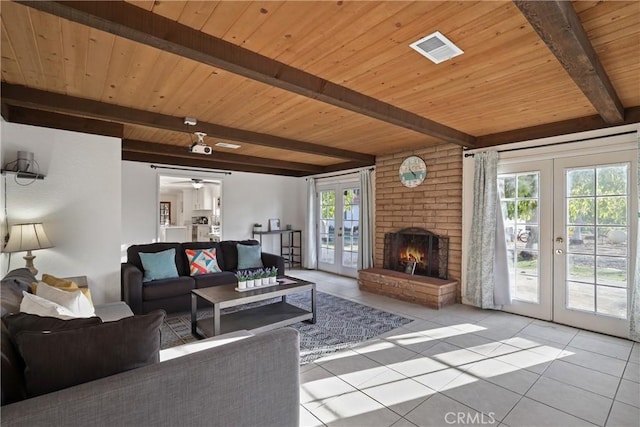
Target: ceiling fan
(197,183)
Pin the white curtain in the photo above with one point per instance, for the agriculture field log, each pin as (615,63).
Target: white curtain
(634,315)
(310,258)
(365,220)
(487,269)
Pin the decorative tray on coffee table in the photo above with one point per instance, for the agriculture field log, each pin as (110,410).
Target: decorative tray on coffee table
(280,281)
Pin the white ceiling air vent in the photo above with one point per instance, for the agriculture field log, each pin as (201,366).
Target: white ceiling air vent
(436,47)
(227,145)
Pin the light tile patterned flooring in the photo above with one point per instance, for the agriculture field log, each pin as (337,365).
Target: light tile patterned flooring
(465,366)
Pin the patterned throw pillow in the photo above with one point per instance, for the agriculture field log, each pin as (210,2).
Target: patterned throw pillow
(202,261)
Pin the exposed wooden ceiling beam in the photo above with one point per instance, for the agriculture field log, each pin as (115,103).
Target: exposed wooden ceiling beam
(147,151)
(583,124)
(38,99)
(28,116)
(139,25)
(133,145)
(4,110)
(558,25)
(205,163)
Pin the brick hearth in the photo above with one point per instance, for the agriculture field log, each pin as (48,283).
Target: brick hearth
(428,291)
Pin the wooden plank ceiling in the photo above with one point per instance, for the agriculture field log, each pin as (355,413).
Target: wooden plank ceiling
(309,87)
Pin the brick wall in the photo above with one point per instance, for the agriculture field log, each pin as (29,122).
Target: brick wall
(436,204)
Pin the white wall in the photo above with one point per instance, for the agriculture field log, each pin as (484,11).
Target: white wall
(246,198)
(78,202)
(139,205)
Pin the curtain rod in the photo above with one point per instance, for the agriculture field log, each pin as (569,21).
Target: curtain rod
(339,174)
(556,143)
(189,169)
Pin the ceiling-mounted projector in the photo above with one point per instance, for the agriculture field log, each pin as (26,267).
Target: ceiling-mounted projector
(200,147)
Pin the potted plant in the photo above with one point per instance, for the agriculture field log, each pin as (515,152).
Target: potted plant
(273,275)
(242,280)
(257,227)
(264,274)
(250,281)
(257,278)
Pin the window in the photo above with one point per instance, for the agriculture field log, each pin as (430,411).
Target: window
(165,213)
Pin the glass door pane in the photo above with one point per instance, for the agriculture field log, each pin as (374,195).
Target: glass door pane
(327,230)
(597,225)
(519,197)
(350,215)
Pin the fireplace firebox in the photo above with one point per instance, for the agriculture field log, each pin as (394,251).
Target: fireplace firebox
(427,250)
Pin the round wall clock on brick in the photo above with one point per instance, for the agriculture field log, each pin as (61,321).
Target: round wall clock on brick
(412,171)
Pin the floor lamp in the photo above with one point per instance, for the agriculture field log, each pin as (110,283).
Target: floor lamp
(27,237)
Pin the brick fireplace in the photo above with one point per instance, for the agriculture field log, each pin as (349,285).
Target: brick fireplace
(435,205)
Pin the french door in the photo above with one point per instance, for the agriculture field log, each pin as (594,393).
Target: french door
(593,239)
(338,231)
(527,207)
(570,232)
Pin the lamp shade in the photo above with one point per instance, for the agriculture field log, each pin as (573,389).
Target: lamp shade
(27,237)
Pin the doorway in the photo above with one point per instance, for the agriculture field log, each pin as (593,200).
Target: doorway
(570,228)
(189,208)
(338,227)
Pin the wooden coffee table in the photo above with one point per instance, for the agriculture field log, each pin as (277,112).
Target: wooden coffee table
(257,319)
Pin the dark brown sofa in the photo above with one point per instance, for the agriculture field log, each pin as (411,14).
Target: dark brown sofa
(249,380)
(174,294)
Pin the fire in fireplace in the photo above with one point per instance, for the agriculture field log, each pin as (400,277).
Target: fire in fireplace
(429,251)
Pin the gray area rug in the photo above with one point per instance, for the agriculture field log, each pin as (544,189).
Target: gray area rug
(340,324)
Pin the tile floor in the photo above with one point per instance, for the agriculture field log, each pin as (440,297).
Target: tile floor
(465,366)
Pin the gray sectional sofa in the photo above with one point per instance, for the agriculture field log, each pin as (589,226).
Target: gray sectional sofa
(173,295)
(231,380)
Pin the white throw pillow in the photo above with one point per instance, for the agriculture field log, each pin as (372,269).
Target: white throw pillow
(33,304)
(76,302)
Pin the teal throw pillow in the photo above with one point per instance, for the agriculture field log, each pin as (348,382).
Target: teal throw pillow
(249,256)
(159,265)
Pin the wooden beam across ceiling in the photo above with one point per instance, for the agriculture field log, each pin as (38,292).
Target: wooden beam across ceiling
(42,100)
(151,148)
(148,151)
(134,23)
(558,25)
(565,127)
(29,116)
(205,163)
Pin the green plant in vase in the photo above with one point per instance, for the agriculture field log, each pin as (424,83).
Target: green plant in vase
(250,279)
(264,276)
(273,275)
(257,277)
(242,280)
